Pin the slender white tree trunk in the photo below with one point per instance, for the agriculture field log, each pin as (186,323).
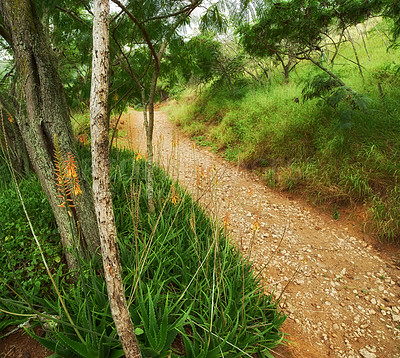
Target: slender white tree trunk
(101,180)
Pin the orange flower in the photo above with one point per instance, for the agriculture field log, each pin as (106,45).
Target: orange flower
(71,167)
(174,197)
(226,220)
(77,189)
(67,178)
(256,224)
(82,138)
(138,156)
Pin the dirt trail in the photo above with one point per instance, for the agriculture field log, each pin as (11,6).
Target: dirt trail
(341,297)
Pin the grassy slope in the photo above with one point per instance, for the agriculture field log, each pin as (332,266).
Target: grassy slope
(307,147)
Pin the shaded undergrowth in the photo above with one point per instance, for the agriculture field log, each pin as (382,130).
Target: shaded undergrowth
(190,292)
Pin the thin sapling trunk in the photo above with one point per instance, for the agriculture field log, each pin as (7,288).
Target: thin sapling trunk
(101,181)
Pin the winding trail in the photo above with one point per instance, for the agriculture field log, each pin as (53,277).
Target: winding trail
(341,297)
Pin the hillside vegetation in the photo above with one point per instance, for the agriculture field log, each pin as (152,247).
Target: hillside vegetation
(336,148)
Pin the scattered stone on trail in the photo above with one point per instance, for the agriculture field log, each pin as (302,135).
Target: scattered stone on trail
(396,318)
(366,353)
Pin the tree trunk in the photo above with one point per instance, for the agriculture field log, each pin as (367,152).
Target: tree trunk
(101,180)
(355,53)
(286,70)
(46,121)
(149,125)
(286,67)
(11,140)
(337,46)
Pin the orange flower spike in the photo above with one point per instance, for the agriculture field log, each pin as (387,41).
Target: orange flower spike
(82,138)
(77,189)
(256,227)
(174,197)
(256,224)
(71,167)
(226,220)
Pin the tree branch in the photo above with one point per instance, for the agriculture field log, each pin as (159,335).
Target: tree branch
(346,58)
(188,8)
(128,65)
(115,129)
(141,28)
(73,14)
(84,3)
(116,16)
(330,73)
(121,99)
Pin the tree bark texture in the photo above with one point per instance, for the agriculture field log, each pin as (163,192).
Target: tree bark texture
(11,142)
(45,120)
(101,180)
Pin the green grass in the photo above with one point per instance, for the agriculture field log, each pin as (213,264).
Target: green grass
(18,254)
(190,291)
(334,156)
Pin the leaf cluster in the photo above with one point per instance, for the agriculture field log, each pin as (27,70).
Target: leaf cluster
(292,27)
(197,58)
(299,27)
(337,96)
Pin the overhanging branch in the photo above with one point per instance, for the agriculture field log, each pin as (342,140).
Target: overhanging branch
(73,14)
(188,9)
(142,29)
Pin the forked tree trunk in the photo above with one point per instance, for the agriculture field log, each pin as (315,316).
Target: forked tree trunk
(47,120)
(101,180)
